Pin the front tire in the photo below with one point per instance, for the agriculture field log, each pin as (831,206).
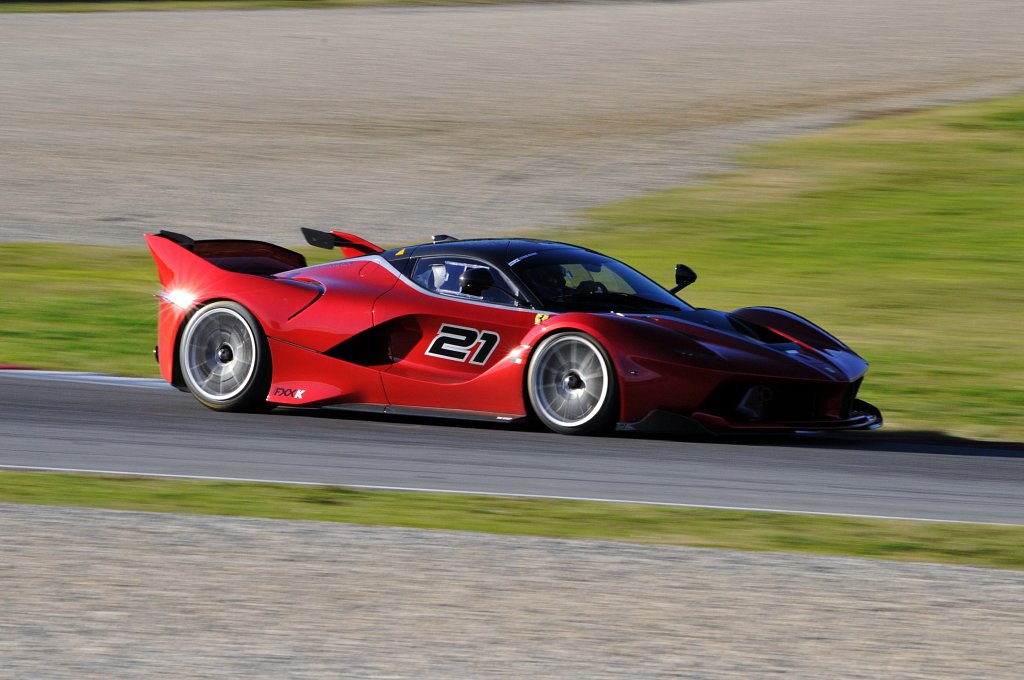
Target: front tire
(572,385)
(224,358)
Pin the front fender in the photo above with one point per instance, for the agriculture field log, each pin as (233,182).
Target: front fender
(647,361)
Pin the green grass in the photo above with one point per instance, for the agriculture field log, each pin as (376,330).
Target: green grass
(903,236)
(78,307)
(969,544)
(185,5)
(87,308)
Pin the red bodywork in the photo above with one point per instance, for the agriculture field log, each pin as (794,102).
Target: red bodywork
(356,332)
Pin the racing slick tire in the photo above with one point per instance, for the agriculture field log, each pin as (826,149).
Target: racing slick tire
(224,358)
(572,385)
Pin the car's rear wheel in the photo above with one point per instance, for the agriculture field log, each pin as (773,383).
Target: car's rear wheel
(224,358)
(572,385)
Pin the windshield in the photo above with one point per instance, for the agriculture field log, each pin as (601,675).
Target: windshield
(576,280)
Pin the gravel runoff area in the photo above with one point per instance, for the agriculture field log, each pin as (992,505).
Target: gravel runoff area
(399,123)
(92,593)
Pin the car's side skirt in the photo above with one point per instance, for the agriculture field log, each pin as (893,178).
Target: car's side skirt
(420,411)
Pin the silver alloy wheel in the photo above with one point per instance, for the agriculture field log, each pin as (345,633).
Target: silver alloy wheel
(219,354)
(569,380)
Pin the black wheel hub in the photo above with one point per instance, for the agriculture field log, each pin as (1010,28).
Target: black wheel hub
(573,382)
(224,354)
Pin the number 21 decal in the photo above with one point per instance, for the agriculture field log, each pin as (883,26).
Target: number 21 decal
(456,343)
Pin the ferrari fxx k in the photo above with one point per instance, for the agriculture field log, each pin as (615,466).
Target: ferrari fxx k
(499,329)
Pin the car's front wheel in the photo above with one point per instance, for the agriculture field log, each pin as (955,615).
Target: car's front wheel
(572,385)
(224,358)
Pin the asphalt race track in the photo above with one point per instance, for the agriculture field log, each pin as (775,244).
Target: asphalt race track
(146,427)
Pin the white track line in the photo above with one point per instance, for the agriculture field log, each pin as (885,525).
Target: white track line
(373,487)
(88,378)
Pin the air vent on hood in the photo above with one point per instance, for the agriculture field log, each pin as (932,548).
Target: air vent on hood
(751,330)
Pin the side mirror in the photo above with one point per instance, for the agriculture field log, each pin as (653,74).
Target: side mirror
(475,281)
(684,277)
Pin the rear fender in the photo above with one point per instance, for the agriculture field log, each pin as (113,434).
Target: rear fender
(188,282)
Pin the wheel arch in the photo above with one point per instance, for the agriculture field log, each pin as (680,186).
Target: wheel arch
(534,340)
(177,380)
(627,342)
(252,392)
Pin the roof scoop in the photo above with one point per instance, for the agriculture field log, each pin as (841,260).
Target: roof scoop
(442,238)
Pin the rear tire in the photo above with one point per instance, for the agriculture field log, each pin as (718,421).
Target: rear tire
(224,358)
(572,385)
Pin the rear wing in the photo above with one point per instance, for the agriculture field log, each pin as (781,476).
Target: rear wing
(239,255)
(349,244)
(259,258)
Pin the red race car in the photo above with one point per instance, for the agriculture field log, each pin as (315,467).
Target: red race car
(500,329)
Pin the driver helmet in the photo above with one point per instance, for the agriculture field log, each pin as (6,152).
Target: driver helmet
(550,280)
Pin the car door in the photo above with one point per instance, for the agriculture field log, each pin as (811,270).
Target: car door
(450,350)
